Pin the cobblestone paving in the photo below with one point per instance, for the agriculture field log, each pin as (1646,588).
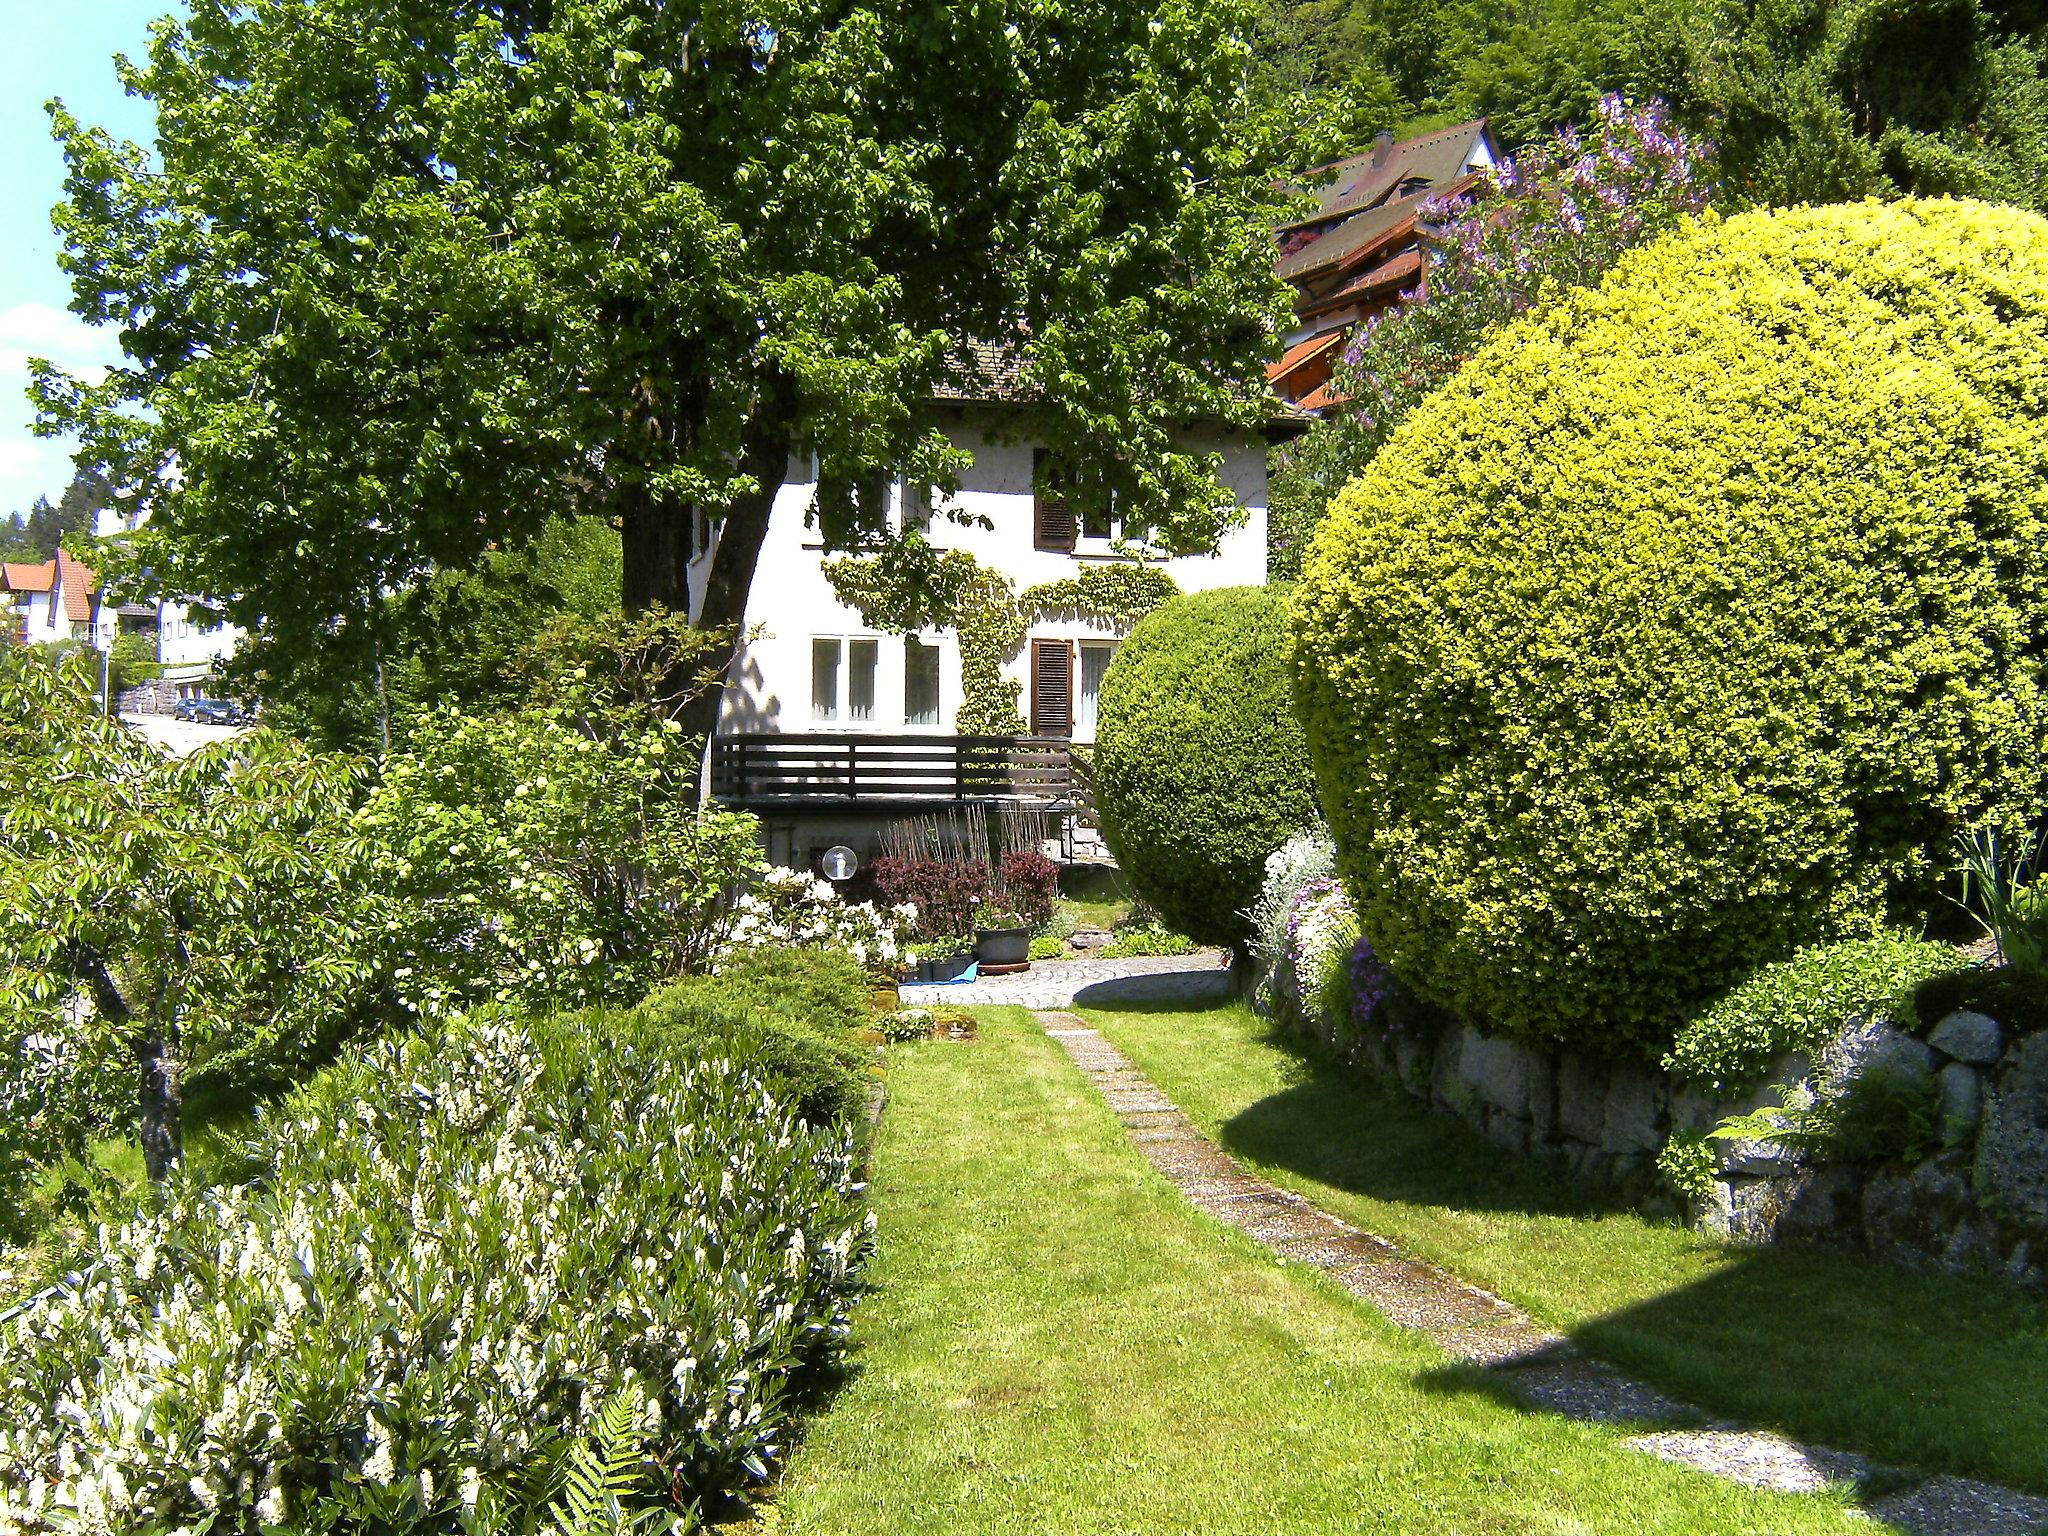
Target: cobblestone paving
(1541,1368)
(1091,983)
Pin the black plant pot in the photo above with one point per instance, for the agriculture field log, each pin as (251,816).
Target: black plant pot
(946,968)
(1003,946)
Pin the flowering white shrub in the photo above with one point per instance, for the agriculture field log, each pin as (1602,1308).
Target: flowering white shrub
(461,1250)
(1322,931)
(1308,855)
(788,907)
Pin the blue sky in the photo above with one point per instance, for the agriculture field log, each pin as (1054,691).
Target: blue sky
(64,50)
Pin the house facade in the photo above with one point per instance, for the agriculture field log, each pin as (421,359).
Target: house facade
(812,665)
(831,726)
(1362,247)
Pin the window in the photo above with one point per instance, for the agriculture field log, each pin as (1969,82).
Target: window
(917,499)
(1095,659)
(825,679)
(920,682)
(861,656)
(843,678)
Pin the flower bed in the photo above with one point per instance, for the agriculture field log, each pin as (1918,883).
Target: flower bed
(459,1252)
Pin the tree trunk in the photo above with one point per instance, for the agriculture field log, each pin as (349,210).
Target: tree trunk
(655,536)
(764,457)
(163,1100)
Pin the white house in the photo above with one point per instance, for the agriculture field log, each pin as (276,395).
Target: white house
(53,601)
(188,650)
(813,666)
(826,717)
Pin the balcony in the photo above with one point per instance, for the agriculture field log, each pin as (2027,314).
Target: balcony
(892,774)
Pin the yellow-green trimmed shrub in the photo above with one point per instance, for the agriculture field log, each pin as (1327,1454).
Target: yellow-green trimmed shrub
(1200,768)
(1687,624)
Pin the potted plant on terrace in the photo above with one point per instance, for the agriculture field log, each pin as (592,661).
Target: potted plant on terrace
(1001,937)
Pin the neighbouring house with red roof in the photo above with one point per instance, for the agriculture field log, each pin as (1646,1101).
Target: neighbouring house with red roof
(60,600)
(56,600)
(1362,246)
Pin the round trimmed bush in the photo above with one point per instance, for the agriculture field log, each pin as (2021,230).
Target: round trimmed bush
(1200,766)
(1691,620)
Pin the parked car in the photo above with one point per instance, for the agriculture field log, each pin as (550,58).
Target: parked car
(210,712)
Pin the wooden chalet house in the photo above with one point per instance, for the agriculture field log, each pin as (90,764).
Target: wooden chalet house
(1362,247)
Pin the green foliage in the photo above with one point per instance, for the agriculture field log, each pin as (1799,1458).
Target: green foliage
(1200,770)
(1690,622)
(602,1473)
(35,537)
(796,1007)
(1801,1003)
(529,863)
(1135,941)
(1688,1165)
(914,585)
(2017,999)
(477,639)
(436,1288)
(624,260)
(1828,100)
(2004,893)
(1811,100)
(1556,217)
(1048,946)
(131,662)
(1880,1115)
(202,906)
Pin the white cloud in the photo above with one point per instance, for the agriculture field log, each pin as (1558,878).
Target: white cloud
(31,466)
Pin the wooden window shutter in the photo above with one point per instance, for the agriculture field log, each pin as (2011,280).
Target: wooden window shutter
(1052,513)
(1052,688)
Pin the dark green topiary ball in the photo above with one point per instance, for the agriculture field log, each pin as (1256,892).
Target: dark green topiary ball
(1693,618)
(1200,766)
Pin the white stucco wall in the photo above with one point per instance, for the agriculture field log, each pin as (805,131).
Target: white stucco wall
(791,601)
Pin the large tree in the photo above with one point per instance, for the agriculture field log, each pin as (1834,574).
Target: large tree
(404,279)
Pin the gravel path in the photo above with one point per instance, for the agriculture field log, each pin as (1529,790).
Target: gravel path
(1086,983)
(1542,1368)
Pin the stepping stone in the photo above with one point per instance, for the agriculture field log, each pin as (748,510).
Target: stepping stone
(1959,1506)
(1756,1458)
(1591,1392)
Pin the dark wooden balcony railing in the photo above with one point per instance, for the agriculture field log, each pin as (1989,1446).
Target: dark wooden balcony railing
(762,771)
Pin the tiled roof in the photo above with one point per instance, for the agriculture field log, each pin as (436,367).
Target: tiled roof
(1355,182)
(1354,234)
(80,582)
(1393,273)
(993,372)
(1303,351)
(30,578)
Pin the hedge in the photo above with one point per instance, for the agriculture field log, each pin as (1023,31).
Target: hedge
(1692,619)
(1802,1003)
(459,1253)
(1200,768)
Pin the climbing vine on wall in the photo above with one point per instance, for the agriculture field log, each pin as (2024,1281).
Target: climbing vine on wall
(917,586)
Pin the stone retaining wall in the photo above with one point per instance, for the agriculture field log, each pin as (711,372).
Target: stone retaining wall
(1978,1205)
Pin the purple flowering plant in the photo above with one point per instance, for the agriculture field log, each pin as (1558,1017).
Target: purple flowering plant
(1553,218)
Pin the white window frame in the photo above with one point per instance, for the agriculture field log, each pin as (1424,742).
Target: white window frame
(842,691)
(1092,702)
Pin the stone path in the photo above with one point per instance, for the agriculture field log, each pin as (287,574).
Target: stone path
(1091,983)
(1542,1368)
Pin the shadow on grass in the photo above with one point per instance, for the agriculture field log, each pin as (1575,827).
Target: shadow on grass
(1935,1371)
(1202,982)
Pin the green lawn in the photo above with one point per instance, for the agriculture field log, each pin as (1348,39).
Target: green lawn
(1929,1371)
(1060,1343)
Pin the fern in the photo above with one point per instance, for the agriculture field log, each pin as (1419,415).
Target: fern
(601,1471)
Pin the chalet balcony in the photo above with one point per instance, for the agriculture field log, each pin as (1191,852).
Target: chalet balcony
(798,773)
